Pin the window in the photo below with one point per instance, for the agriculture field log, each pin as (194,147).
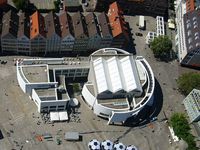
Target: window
(190,47)
(188,25)
(197,44)
(194,18)
(189,40)
(195,23)
(189,32)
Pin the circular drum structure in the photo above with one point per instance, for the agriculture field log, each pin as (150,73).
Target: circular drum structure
(119,85)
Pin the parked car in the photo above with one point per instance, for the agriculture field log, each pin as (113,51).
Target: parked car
(138,34)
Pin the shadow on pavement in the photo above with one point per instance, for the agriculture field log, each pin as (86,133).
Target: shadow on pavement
(148,113)
(130,46)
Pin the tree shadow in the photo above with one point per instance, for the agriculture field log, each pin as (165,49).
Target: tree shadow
(148,113)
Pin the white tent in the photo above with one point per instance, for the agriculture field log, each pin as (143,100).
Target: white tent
(54,116)
(63,116)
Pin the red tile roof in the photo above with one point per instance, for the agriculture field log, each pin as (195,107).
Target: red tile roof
(37,25)
(116,19)
(190,5)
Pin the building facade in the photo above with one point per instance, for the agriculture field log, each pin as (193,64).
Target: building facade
(188,30)
(44,80)
(105,30)
(118,86)
(23,36)
(80,32)
(10,23)
(192,105)
(52,28)
(137,7)
(93,32)
(67,32)
(118,26)
(49,34)
(37,33)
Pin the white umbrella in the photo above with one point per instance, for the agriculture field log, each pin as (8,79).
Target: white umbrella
(119,146)
(131,147)
(94,145)
(107,145)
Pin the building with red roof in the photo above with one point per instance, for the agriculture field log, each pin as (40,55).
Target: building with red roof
(37,33)
(118,26)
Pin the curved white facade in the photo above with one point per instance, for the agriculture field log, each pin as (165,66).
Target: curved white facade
(118,85)
(118,106)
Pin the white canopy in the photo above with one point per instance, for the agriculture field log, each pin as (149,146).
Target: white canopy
(54,116)
(116,74)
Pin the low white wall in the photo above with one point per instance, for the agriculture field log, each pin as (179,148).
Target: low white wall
(36,99)
(21,82)
(31,86)
(89,98)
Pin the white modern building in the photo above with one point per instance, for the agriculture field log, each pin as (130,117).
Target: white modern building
(44,80)
(180,36)
(192,105)
(118,86)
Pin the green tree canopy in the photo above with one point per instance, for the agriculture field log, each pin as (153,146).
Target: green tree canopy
(20,4)
(188,81)
(182,129)
(180,124)
(161,46)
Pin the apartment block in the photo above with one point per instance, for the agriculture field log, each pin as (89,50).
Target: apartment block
(52,29)
(192,105)
(105,30)
(93,32)
(137,7)
(3,2)
(192,39)
(67,32)
(188,30)
(47,34)
(118,26)
(80,32)
(37,33)
(23,35)
(10,23)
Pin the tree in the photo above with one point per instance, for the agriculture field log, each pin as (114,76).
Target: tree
(180,124)
(188,81)
(76,87)
(21,4)
(161,46)
(182,129)
(57,5)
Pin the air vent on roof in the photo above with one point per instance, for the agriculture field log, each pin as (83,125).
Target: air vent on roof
(117,17)
(92,21)
(78,22)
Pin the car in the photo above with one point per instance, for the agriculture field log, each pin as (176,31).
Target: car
(138,34)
